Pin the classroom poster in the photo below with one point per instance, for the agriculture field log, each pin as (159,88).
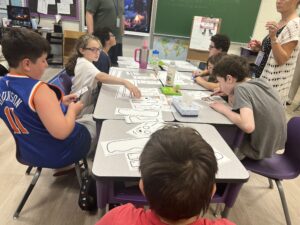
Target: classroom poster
(202,30)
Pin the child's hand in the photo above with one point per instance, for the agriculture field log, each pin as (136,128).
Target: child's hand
(219,107)
(133,89)
(218,92)
(254,45)
(67,99)
(76,107)
(196,73)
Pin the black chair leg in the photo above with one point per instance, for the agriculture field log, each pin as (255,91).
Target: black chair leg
(28,170)
(225,212)
(28,192)
(283,201)
(78,173)
(270,183)
(85,163)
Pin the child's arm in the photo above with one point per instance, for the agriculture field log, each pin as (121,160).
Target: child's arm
(244,120)
(108,79)
(201,73)
(208,85)
(48,109)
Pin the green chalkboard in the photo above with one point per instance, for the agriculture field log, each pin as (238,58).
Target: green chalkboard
(174,17)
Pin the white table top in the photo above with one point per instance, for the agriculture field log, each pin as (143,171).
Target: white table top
(107,104)
(116,166)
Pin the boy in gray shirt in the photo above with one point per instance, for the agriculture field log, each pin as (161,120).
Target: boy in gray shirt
(257,109)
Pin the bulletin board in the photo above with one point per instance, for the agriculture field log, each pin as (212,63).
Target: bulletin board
(52,9)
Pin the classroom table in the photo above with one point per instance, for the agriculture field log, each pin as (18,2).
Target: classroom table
(107,104)
(107,169)
(138,75)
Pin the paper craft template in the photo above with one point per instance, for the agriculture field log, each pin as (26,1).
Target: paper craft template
(133,160)
(220,157)
(122,146)
(145,129)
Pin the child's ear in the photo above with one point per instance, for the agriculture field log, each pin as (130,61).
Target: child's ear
(213,191)
(81,50)
(141,186)
(26,64)
(229,78)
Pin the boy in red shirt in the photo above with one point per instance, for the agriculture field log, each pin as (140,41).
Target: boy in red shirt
(178,169)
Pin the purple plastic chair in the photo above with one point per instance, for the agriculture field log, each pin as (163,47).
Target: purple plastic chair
(281,167)
(108,193)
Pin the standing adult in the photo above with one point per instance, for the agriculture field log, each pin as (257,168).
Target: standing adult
(279,50)
(107,13)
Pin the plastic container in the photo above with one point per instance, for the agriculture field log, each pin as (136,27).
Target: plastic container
(171,74)
(155,60)
(143,56)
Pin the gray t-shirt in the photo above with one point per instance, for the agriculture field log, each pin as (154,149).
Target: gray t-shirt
(105,13)
(269,116)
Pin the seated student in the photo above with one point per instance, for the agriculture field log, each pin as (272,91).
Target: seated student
(218,43)
(31,108)
(257,108)
(81,65)
(108,40)
(3,64)
(178,169)
(210,83)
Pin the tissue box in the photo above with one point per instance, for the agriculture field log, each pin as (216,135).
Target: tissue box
(184,109)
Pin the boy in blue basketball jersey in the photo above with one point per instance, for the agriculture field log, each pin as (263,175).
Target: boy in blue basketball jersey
(31,109)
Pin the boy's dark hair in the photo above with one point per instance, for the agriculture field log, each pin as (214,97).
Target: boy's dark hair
(103,35)
(214,59)
(178,170)
(233,65)
(21,43)
(82,42)
(221,41)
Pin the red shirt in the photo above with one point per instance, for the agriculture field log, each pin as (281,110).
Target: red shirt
(128,214)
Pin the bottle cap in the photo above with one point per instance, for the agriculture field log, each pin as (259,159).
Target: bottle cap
(155,52)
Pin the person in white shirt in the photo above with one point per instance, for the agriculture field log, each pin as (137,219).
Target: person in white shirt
(87,51)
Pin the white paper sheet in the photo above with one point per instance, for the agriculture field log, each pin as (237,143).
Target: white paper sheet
(42,6)
(203,29)
(145,129)
(122,146)
(63,8)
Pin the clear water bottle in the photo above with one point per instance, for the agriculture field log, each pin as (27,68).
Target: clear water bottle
(155,59)
(171,74)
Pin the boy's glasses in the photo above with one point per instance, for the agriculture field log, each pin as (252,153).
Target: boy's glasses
(211,47)
(94,50)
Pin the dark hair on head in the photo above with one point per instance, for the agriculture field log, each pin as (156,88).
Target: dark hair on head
(221,41)
(233,65)
(214,59)
(82,42)
(103,35)
(178,170)
(22,43)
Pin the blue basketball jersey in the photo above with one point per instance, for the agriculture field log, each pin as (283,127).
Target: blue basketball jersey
(36,145)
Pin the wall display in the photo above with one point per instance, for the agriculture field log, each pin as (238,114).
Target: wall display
(68,9)
(137,15)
